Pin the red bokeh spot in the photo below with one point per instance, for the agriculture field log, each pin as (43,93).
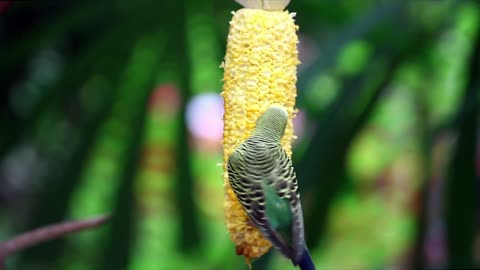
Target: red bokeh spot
(165,98)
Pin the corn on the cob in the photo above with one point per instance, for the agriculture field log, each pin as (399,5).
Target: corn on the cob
(259,70)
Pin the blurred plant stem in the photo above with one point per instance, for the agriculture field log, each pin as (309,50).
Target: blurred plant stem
(189,226)
(418,252)
(461,191)
(118,248)
(326,174)
(46,233)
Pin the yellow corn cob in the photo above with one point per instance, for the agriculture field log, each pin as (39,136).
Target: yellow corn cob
(259,70)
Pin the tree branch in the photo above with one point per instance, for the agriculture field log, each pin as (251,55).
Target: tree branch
(47,233)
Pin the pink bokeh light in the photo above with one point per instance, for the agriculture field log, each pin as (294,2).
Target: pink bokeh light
(204,117)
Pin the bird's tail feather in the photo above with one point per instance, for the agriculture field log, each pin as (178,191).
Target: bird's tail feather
(305,262)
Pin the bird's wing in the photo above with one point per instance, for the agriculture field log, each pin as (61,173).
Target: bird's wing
(248,168)
(285,183)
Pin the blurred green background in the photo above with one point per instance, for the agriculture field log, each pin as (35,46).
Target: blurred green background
(114,107)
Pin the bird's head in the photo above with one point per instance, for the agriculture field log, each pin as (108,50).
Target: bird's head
(272,122)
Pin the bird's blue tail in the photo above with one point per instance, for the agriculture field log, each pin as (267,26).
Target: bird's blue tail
(306,263)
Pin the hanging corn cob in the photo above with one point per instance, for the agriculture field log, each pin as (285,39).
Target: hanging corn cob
(259,70)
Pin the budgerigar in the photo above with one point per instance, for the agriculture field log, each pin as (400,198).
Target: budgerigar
(263,179)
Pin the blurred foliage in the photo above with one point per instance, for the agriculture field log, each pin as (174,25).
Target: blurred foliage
(93,120)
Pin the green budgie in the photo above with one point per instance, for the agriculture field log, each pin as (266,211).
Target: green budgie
(262,176)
